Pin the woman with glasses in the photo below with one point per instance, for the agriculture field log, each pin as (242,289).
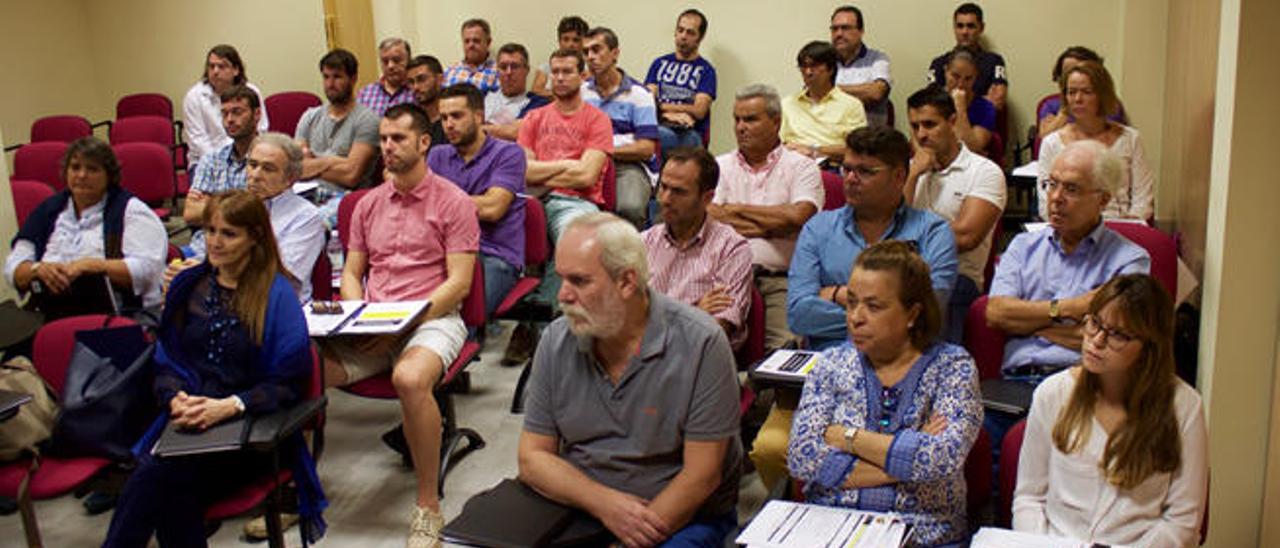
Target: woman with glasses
(1089,97)
(1115,449)
(886,419)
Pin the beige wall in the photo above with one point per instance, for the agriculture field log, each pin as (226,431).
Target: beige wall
(8,221)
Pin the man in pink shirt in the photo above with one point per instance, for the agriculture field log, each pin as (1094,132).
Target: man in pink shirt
(766,193)
(694,258)
(413,237)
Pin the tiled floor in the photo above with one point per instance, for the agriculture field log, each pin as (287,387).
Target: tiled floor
(370,494)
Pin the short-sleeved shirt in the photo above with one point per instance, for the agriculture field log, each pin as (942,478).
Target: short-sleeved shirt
(786,177)
(825,122)
(407,236)
(717,256)
(202,128)
(679,82)
(329,137)
(630,109)
(1035,268)
(484,77)
(631,436)
(501,110)
(991,70)
(498,164)
(554,135)
(375,96)
(982,113)
(944,192)
(867,66)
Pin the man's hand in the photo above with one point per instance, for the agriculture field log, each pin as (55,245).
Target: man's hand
(924,160)
(174,268)
(961,99)
(807,150)
(1076,307)
(629,518)
(679,119)
(716,300)
(306,151)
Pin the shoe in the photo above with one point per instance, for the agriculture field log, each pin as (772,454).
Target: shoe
(255,530)
(520,346)
(424,529)
(98,502)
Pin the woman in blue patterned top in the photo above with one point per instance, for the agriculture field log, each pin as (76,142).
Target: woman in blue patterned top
(886,420)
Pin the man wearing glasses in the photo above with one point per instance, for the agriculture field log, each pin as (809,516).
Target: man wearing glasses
(861,71)
(506,106)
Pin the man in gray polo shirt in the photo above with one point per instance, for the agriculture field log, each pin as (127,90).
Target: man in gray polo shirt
(339,141)
(632,406)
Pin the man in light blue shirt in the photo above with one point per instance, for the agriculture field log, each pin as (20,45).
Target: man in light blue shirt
(875,170)
(1046,278)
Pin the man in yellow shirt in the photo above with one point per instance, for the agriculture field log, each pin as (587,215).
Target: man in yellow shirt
(816,120)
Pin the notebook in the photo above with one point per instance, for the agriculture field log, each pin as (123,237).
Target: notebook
(227,436)
(509,515)
(1006,396)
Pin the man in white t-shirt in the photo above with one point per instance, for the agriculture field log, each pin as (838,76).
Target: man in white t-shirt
(959,185)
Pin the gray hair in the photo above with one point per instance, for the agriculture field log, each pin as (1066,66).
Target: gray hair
(621,248)
(292,152)
(1106,168)
(388,43)
(772,102)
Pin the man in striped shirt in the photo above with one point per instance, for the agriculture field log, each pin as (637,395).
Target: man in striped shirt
(694,258)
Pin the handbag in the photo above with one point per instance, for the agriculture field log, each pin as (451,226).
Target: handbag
(107,401)
(33,422)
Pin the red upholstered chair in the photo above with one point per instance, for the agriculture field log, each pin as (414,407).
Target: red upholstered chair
(144,104)
(51,354)
(610,186)
(536,252)
(1010,450)
(833,189)
(752,349)
(159,130)
(284,109)
(146,170)
(995,149)
(977,474)
(41,162)
(345,208)
(322,278)
(62,128)
(985,344)
(1161,247)
(27,195)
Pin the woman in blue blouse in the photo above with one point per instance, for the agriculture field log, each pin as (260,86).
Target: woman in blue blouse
(886,420)
(232,341)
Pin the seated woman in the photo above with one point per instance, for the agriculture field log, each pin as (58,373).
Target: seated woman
(92,229)
(887,419)
(975,115)
(232,341)
(1116,450)
(1091,98)
(1050,117)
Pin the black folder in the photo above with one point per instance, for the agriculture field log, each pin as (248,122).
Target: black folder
(511,515)
(227,436)
(1006,396)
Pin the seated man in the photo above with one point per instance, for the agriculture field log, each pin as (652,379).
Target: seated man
(492,172)
(861,71)
(393,87)
(990,81)
(603,431)
(685,84)
(1045,279)
(274,162)
(694,258)
(816,120)
(964,188)
(413,238)
(766,193)
(222,170)
(569,33)
(635,123)
(338,140)
(425,75)
(875,168)
(476,67)
(506,106)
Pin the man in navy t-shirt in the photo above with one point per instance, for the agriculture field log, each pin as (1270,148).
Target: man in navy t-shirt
(991,82)
(684,84)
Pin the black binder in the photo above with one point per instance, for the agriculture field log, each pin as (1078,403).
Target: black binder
(1006,396)
(512,515)
(228,436)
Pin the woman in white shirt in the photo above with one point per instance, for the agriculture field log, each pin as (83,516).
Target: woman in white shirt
(1116,449)
(202,106)
(1090,98)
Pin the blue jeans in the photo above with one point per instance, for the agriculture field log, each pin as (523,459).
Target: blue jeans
(673,137)
(560,211)
(704,533)
(634,188)
(962,296)
(499,278)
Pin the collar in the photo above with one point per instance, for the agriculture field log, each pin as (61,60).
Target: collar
(653,342)
(420,192)
(862,52)
(488,64)
(624,85)
(95,209)
(771,160)
(1091,238)
(277,199)
(804,95)
(382,87)
(698,237)
(850,220)
(228,155)
(456,155)
(961,161)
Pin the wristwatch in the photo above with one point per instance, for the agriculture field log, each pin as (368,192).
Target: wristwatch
(849,435)
(36,266)
(1054,311)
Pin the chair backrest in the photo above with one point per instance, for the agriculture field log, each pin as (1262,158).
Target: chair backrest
(1161,247)
(995,149)
(473,304)
(1010,450)
(284,109)
(345,208)
(144,104)
(536,248)
(609,186)
(146,170)
(977,473)
(63,128)
(41,162)
(984,343)
(833,189)
(143,129)
(322,278)
(753,348)
(51,350)
(27,195)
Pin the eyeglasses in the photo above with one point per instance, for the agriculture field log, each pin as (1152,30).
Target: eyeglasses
(1114,338)
(1070,190)
(510,66)
(888,406)
(863,172)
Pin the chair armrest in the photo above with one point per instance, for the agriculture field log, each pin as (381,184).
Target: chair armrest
(269,430)
(12,148)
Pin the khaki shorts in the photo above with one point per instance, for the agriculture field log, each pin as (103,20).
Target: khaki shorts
(444,336)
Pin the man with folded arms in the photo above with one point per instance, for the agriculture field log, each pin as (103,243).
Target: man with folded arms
(604,431)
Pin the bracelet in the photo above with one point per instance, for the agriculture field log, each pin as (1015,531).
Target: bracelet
(850,434)
(836,293)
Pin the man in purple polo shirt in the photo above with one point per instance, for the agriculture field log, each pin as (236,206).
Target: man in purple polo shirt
(492,172)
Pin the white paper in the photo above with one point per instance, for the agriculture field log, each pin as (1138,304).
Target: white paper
(785,524)
(794,364)
(303,187)
(322,325)
(1030,169)
(382,318)
(991,537)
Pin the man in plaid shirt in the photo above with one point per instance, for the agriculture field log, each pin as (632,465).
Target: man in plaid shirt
(393,88)
(476,67)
